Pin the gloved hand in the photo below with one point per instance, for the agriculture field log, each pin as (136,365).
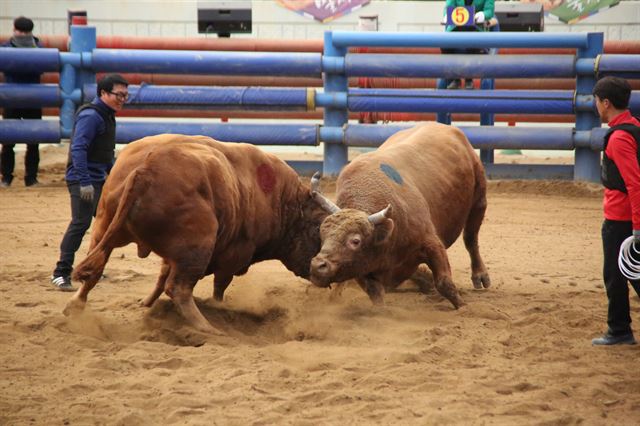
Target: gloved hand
(87,193)
(444,20)
(479,18)
(636,236)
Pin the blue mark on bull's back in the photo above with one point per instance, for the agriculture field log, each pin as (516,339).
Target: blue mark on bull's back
(391,173)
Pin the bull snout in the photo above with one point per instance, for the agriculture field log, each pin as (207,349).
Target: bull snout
(320,266)
(321,271)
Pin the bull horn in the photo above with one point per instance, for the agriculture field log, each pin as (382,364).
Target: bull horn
(323,201)
(315,181)
(377,218)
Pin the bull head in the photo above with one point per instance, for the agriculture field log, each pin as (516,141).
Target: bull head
(353,245)
(323,201)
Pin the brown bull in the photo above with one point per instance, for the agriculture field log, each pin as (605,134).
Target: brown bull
(205,207)
(402,205)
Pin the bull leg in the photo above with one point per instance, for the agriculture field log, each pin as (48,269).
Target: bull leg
(157,291)
(479,275)
(88,272)
(220,284)
(183,298)
(180,288)
(374,289)
(79,298)
(438,262)
(423,278)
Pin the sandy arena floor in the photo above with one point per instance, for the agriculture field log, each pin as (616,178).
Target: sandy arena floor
(518,353)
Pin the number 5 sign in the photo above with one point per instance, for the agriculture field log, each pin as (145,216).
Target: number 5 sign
(461,16)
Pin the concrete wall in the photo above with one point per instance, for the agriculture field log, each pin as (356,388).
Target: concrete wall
(270,20)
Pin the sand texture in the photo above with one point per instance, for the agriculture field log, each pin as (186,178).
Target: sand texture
(518,353)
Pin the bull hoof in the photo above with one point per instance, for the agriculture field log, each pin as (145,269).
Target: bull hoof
(146,303)
(74,307)
(481,281)
(423,278)
(458,302)
(448,290)
(209,329)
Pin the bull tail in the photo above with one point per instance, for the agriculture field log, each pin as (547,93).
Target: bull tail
(91,268)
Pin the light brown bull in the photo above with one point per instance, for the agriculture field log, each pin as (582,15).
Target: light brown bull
(403,205)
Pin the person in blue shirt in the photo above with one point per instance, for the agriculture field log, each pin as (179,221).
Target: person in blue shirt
(22,38)
(91,156)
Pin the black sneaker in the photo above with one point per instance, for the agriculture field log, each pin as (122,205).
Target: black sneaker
(63,283)
(609,339)
(32,183)
(4,184)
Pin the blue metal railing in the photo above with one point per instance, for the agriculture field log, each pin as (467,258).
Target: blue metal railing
(77,84)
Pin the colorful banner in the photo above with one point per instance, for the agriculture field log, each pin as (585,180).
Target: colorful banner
(572,11)
(323,10)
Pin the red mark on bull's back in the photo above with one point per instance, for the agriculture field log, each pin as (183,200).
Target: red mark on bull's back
(266,178)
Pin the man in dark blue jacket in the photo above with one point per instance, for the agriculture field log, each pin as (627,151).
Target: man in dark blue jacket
(91,156)
(23,38)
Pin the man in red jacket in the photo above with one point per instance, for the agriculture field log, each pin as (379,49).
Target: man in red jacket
(621,179)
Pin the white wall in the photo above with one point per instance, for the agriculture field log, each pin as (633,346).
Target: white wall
(270,20)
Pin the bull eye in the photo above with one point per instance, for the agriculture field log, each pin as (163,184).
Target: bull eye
(354,243)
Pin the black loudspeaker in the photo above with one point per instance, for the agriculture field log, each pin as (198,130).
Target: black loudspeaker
(520,16)
(224,17)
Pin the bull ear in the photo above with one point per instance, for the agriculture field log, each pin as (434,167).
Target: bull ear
(382,231)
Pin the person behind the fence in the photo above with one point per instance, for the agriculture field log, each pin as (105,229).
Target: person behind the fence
(484,12)
(91,156)
(22,38)
(621,180)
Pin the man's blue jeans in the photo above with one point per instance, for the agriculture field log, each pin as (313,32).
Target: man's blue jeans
(82,213)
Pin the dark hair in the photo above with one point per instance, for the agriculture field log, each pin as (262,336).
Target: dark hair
(107,82)
(616,89)
(23,24)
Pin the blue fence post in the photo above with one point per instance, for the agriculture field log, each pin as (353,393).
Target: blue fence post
(442,117)
(83,39)
(335,155)
(487,119)
(68,107)
(587,161)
